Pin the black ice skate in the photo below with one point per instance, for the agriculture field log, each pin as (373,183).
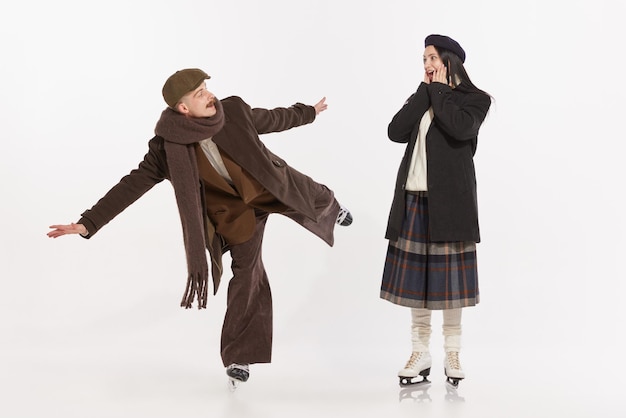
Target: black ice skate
(237,373)
(452,368)
(416,370)
(344,217)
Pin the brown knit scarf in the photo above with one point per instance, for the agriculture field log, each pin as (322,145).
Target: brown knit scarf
(180,133)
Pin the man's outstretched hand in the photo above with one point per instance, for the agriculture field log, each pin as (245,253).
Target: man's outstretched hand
(320,106)
(60,230)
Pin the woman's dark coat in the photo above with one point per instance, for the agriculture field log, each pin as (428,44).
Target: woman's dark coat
(450,147)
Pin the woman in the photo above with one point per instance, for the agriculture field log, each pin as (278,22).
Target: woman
(433,224)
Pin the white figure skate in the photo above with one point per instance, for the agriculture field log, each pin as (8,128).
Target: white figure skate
(418,366)
(452,368)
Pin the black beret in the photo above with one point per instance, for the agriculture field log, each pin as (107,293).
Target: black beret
(445,42)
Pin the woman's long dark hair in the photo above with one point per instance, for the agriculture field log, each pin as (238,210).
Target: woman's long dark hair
(456,71)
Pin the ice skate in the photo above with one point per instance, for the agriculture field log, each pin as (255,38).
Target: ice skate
(237,373)
(452,368)
(344,217)
(417,366)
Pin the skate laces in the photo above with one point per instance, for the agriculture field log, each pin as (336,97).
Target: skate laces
(453,360)
(245,367)
(344,217)
(415,356)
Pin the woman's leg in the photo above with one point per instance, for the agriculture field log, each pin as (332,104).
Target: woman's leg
(452,345)
(420,329)
(420,361)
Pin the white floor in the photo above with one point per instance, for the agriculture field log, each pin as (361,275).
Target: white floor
(163,368)
(63,385)
(113,343)
(94,330)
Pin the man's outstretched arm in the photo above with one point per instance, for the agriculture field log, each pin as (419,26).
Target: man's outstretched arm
(131,187)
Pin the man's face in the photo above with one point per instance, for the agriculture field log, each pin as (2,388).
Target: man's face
(199,103)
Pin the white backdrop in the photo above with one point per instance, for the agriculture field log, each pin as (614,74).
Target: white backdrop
(93,328)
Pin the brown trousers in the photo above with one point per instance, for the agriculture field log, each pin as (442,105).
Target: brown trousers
(239,212)
(247,330)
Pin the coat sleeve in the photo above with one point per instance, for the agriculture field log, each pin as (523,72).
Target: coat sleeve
(460,121)
(402,124)
(151,170)
(281,118)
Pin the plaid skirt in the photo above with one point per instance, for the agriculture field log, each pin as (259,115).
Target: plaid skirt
(430,275)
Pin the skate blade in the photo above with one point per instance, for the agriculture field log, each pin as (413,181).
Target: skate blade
(233,384)
(453,382)
(412,381)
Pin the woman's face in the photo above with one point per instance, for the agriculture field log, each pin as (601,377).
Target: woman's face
(432,61)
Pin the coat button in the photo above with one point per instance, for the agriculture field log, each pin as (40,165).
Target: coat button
(277,163)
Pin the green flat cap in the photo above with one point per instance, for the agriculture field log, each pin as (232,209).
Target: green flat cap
(181,83)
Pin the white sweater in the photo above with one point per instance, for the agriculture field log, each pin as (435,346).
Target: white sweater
(417,178)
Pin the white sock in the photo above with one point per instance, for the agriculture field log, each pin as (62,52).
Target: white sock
(452,329)
(420,329)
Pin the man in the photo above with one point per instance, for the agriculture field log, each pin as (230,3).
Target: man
(226,184)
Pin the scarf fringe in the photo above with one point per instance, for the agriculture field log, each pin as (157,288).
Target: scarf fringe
(197,286)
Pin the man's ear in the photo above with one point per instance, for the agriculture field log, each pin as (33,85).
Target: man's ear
(182,108)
